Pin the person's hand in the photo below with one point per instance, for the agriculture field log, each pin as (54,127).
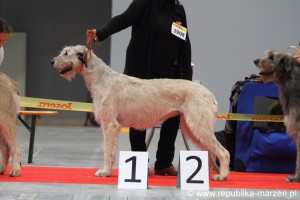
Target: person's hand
(297,55)
(90,37)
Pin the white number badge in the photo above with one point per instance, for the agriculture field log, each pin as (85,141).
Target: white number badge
(178,30)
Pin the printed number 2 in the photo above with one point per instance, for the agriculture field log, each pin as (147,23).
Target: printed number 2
(133,170)
(190,179)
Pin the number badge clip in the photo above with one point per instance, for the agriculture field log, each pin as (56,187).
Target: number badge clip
(179,31)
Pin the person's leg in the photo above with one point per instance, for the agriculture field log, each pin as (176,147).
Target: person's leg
(137,140)
(166,147)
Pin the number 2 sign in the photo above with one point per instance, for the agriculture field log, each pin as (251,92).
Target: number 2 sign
(133,170)
(194,172)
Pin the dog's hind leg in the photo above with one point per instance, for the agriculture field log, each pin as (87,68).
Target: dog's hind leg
(201,133)
(10,138)
(224,157)
(5,153)
(110,136)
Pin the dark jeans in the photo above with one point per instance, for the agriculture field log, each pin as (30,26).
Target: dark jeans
(165,148)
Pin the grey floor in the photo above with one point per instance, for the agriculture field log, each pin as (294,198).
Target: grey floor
(82,147)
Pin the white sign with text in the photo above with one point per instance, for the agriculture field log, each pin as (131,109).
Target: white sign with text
(133,170)
(194,170)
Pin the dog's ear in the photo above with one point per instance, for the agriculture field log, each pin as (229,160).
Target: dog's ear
(83,58)
(286,63)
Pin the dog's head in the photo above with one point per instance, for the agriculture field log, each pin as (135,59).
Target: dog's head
(70,61)
(275,66)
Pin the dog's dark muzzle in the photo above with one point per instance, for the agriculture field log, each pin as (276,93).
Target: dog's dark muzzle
(65,70)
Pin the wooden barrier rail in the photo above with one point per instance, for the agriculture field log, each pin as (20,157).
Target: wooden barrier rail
(31,128)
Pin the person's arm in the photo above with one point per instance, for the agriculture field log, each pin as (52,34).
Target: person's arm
(1,55)
(187,71)
(122,21)
(297,54)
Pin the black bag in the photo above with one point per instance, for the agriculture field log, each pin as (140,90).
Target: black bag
(227,136)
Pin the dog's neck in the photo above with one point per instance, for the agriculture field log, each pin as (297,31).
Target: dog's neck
(97,74)
(268,77)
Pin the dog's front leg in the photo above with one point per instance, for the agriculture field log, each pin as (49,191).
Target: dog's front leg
(110,137)
(16,161)
(296,176)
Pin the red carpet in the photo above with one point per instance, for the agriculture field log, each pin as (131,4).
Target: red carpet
(86,176)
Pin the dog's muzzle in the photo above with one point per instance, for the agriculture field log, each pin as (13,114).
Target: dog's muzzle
(65,70)
(263,72)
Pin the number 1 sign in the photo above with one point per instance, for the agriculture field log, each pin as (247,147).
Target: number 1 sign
(194,172)
(133,170)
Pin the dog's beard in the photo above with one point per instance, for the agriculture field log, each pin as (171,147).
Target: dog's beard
(66,72)
(267,75)
(65,69)
(68,75)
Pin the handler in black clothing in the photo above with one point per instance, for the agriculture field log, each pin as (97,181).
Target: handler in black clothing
(159,48)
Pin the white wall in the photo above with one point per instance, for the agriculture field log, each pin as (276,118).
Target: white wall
(226,36)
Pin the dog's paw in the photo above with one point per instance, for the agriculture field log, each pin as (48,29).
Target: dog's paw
(2,169)
(15,173)
(293,178)
(220,177)
(16,170)
(103,173)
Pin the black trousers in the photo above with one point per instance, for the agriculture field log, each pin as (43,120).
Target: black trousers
(166,143)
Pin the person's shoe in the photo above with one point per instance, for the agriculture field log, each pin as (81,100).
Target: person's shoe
(168,171)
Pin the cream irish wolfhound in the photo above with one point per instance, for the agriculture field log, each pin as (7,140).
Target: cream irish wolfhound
(9,106)
(125,101)
(286,71)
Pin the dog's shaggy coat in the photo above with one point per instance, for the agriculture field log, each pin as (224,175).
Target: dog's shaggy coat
(9,106)
(286,71)
(123,101)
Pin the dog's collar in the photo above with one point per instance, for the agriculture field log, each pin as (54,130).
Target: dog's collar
(79,69)
(266,73)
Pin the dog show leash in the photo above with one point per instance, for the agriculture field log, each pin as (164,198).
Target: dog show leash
(89,42)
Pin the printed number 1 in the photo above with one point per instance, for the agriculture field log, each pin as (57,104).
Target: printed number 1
(190,179)
(133,170)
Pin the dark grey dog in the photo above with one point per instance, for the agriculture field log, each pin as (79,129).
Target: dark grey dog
(286,71)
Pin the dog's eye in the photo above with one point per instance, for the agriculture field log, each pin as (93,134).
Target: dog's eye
(66,53)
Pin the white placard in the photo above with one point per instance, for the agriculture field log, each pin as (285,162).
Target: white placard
(133,170)
(194,171)
(178,30)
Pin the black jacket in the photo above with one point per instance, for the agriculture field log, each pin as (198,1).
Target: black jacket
(141,15)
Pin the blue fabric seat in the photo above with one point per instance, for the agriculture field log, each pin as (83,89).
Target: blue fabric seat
(258,151)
